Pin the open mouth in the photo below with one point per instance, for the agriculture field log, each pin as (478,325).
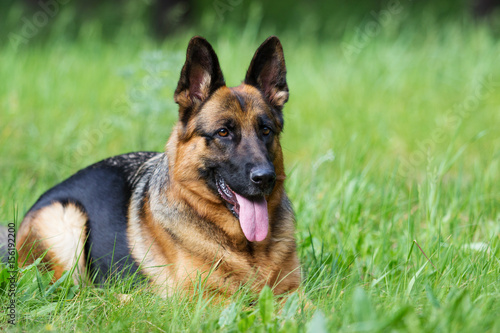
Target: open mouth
(252,213)
(228,195)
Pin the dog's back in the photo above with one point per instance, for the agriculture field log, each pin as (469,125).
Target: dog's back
(84,220)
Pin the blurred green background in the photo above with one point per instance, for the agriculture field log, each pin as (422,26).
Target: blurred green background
(324,20)
(391,138)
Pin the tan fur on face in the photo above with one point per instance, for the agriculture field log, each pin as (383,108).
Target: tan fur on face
(60,230)
(186,153)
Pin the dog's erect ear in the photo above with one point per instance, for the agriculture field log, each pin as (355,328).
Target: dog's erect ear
(267,72)
(200,76)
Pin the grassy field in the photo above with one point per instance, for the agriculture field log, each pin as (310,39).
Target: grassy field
(392,147)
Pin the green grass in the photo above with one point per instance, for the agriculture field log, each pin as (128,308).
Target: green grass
(391,153)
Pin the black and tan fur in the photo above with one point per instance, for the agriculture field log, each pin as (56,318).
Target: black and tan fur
(163,213)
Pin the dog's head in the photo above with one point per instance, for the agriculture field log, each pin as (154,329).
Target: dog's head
(227,139)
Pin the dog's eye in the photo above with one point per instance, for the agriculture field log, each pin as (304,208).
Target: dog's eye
(223,132)
(266,130)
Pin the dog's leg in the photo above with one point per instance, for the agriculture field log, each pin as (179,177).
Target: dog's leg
(56,232)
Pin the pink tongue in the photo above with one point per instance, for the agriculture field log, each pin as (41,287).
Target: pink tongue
(254,220)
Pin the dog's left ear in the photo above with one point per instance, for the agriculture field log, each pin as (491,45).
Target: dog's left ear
(200,76)
(267,72)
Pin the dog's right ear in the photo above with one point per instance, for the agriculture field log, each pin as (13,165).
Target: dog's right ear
(200,76)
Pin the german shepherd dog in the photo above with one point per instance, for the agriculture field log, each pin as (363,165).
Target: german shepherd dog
(213,204)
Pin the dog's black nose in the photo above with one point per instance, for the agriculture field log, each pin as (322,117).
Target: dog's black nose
(264,177)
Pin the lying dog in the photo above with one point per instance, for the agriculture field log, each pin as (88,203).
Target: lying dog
(212,204)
